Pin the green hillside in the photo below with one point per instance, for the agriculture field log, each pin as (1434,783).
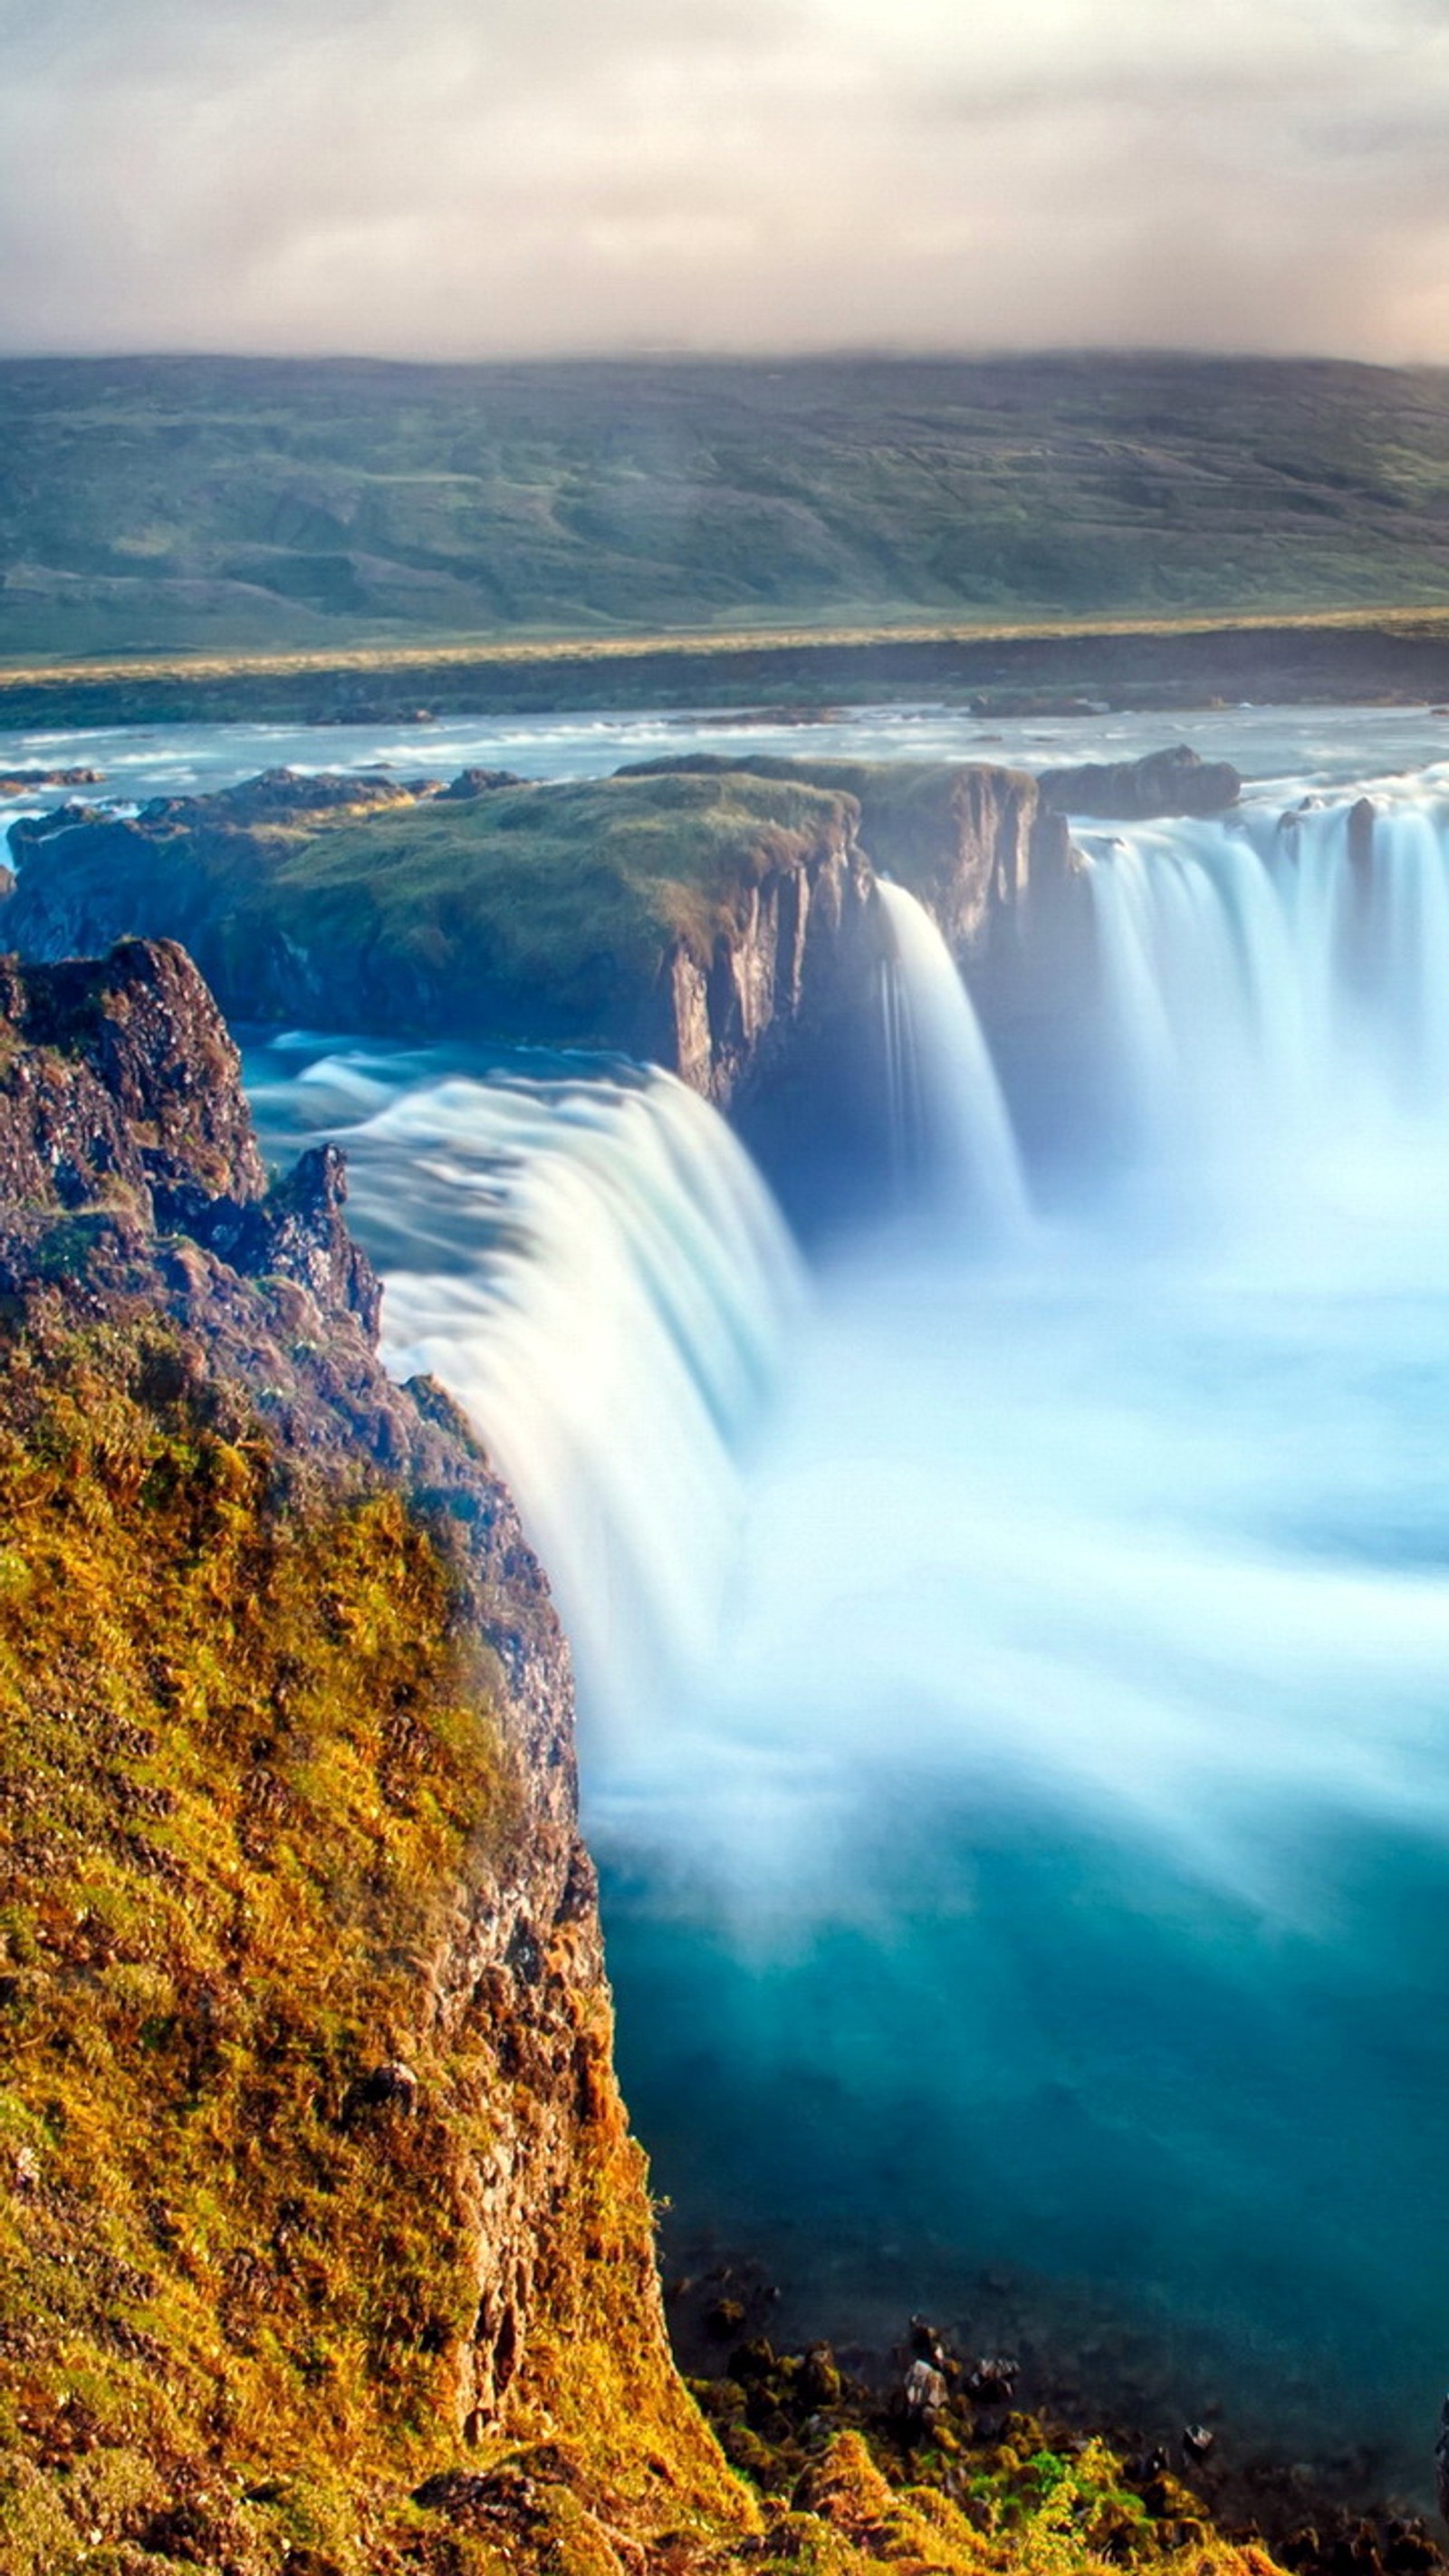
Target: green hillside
(176,503)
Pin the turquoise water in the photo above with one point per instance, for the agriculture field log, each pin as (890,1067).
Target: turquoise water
(1049,1877)
(1025,1840)
(1056,1885)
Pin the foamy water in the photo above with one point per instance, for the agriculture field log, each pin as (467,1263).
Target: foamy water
(1027,1852)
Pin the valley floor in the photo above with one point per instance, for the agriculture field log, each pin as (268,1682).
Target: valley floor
(1393,655)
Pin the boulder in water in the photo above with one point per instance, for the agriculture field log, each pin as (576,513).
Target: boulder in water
(1361,819)
(923,2393)
(1160,784)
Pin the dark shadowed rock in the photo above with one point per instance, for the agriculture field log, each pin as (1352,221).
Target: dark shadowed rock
(1162,783)
(120,1094)
(477,782)
(993,2380)
(1362,816)
(295,1232)
(392,2086)
(119,1071)
(26,782)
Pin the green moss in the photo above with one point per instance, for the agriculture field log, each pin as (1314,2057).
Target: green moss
(567,887)
(250,1768)
(911,811)
(247,1763)
(851,2486)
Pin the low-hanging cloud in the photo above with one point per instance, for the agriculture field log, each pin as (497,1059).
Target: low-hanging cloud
(467,178)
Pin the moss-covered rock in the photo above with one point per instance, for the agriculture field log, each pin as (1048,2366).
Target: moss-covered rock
(666,918)
(324,2246)
(315,2181)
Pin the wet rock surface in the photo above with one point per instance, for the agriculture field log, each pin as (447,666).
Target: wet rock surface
(956,2422)
(947,2404)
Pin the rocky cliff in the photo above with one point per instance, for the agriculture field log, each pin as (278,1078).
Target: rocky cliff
(326,2250)
(1162,783)
(689,920)
(317,2185)
(973,841)
(717,921)
(722,923)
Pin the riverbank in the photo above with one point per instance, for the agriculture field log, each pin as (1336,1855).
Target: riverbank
(999,2430)
(1385,657)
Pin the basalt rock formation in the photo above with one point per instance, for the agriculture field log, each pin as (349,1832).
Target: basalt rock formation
(974,842)
(694,921)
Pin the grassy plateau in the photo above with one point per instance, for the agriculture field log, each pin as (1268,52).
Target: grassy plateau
(193,504)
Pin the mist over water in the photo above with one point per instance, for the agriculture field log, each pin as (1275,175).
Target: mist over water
(953,1154)
(1025,1813)
(1065,1840)
(594,1269)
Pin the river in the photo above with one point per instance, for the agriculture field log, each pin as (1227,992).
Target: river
(1014,1654)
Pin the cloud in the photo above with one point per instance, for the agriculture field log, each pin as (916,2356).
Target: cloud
(478,177)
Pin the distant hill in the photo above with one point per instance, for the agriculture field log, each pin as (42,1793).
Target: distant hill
(181,502)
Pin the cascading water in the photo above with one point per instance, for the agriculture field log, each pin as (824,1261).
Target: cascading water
(1043,1863)
(951,1132)
(1275,984)
(1060,1854)
(597,1273)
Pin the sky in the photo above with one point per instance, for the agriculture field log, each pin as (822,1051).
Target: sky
(479,178)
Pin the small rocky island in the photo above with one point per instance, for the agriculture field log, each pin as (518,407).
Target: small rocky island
(714,919)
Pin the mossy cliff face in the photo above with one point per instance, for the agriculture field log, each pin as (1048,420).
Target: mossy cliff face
(324,2247)
(975,843)
(718,921)
(316,2182)
(686,920)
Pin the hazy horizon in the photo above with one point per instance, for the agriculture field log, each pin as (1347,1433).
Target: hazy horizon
(666,354)
(428,180)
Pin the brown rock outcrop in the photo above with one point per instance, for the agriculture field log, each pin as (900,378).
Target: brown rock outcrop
(973,841)
(795,959)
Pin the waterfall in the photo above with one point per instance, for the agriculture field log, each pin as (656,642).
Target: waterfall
(597,1273)
(951,1134)
(1272,983)
(1042,1864)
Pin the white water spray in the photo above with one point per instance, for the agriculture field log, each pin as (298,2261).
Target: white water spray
(1046,1860)
(596,1272)
(951,1132)
(1276,989)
